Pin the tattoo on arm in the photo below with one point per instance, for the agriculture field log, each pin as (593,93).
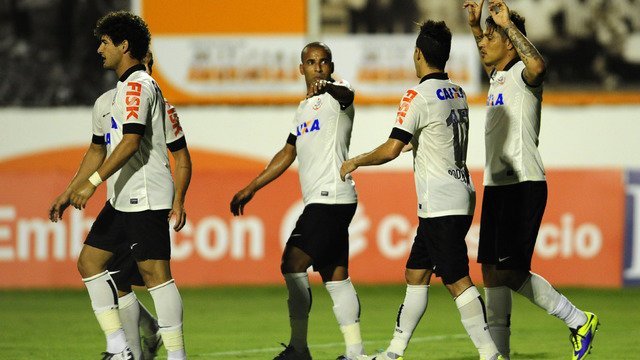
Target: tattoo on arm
(523,46)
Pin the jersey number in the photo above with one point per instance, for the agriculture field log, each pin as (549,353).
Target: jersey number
(459,121)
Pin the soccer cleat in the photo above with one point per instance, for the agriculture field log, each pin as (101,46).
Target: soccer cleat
(150,346)
(496,357)
(387,355)
(582,337)
(289,353)
(125,354)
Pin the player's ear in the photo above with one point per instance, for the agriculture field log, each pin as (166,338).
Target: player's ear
(124,45)
(332,67)
(417,54)
(301,69)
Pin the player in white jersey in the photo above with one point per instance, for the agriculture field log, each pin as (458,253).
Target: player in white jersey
(515,192)
(319,138)
(434,118)
(136,319)
(132,155)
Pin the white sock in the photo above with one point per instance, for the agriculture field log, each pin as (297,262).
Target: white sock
(168,304)
(540,292)
(148,324)
(299,303)
(410,312)
(474,320)
(104,301)
(498,301)
(129,312)
(346,307)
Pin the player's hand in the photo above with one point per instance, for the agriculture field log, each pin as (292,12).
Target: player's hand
(82,194)
(240,200)
(318,87)
(474,11)
(499,12)
(346,168)
(177,212)
(59,205)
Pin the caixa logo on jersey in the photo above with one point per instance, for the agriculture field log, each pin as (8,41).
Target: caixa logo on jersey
(631,274)
(107,136)
(493,100)
(308,126)
(450,93)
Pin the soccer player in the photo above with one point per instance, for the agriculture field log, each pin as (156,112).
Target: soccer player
(434,118)
(132,155)
(320,139)
(515,193)
(136,319)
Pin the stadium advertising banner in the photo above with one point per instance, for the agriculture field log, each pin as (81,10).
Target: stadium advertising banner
(632,229)
(253,59)
(583,227)
(578,231)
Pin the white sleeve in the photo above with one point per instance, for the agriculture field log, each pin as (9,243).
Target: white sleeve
(173,130)
(96,118)
(138,99)
(408,116)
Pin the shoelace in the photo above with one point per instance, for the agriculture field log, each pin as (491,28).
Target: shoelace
(574,340)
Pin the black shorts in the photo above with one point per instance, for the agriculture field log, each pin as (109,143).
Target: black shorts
(146,233)
(322,232)
(124,269)
(439,246)
(511,217)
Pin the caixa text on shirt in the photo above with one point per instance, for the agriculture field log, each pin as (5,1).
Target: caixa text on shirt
(308,126)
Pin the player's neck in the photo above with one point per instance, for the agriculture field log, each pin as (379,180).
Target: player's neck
(124,65)
(424,70)
(502,64)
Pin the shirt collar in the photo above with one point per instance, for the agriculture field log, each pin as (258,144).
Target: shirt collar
(436,75)
(131,70)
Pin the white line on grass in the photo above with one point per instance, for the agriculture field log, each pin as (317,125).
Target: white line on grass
(328,345)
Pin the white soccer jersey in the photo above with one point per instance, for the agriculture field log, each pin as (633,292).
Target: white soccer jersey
(512,128)
(434,116)
(323,134)
(144,182)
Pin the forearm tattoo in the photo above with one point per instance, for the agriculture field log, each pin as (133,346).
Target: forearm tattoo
(524,47)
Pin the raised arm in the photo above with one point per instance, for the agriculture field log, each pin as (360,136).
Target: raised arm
(380,155)
(474,11)
(182,178)
(343,94)
(280,162)
(535,67)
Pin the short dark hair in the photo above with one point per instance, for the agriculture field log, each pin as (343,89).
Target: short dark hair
(516,19)
(123,25)
(316,44)
(434,41)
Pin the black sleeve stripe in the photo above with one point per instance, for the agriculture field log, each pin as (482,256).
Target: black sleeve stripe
(133,129)
(97,139)
(177,144)
(291,139)
(401,135)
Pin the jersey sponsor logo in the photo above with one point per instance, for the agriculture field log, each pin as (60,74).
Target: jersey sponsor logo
(308,126)
(107,136)
(133,99)
(495,100)
(404,105)
(450,93)
(175,120)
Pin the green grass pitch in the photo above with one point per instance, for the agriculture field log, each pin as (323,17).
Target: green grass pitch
(250,322)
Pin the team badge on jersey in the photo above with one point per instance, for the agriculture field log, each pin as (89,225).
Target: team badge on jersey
(318,104)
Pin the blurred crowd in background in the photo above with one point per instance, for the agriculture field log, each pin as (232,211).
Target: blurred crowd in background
(48,52)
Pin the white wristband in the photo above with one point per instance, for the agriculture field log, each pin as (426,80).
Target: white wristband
(95,179)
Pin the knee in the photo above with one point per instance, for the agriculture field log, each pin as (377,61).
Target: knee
(87,267)
(417,277)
